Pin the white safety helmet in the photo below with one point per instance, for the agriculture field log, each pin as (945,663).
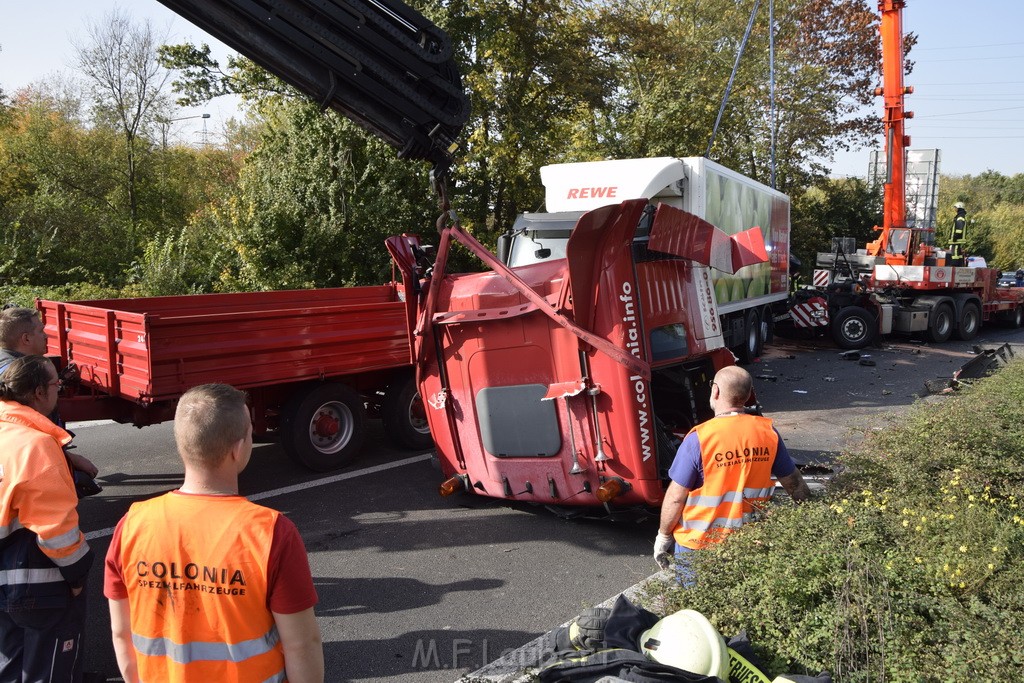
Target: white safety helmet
(958,205)
(687,641)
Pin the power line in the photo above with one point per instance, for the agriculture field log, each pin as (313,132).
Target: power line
(966,59)
(961,113)
(970,137)
(958,47)
(917,85)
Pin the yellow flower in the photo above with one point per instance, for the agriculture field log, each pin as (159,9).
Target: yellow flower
(970,497)
(918,560)
(991,566)
(963,549)
(906,523)
(963,585)
(918,528)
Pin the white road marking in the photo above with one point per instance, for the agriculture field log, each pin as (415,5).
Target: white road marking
(103,533)
(88,423)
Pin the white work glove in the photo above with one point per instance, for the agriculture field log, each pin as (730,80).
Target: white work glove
(664,550)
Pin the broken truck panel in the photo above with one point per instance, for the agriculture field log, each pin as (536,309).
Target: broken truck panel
(525,398)
(377,62)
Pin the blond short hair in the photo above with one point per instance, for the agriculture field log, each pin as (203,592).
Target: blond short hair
(208,422)
(15,322)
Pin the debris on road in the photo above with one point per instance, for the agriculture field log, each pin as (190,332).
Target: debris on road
(866,362)
(849,355)
(988,360)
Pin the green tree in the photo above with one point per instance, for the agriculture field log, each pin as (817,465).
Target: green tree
(56,221)
(127,86)
(312,206)
(833,208)
(531,68)
(672,59)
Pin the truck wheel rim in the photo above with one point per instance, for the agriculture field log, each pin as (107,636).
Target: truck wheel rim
(418,415)
(971,321)
(331,427)
(854,329)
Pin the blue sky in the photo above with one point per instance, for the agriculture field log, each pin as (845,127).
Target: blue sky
(968,82)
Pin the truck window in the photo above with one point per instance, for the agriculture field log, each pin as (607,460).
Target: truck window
(516,423)
(669,342)
(547,233)
(529,247)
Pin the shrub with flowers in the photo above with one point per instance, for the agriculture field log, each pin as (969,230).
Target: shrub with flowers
(910,568)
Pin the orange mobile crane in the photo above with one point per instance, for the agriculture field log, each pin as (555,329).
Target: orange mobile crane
(900,282)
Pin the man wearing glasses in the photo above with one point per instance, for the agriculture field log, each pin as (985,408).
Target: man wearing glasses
(722,474)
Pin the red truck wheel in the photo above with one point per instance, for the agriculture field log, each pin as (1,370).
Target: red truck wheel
(404,417)
(323,427)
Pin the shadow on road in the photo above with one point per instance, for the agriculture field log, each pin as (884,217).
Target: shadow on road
(341,597)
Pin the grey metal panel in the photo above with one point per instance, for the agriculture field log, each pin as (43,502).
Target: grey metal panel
(378,62)
(515,422)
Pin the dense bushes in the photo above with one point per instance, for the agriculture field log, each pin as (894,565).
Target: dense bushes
(909,569)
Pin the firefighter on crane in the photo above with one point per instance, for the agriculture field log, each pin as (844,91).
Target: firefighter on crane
(958,234)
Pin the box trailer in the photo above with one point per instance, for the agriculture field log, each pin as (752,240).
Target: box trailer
(724,198)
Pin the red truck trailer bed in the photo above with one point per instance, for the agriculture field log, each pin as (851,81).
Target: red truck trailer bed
(135,357)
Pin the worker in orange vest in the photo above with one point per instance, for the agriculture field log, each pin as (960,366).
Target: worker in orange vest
(203,584)
(722,473)
(22,333)
(44,558)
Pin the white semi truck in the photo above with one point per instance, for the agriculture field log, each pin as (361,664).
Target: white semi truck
(728,200)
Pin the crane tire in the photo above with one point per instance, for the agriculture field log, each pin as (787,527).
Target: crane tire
(940,324)
(853,328)
(970,322)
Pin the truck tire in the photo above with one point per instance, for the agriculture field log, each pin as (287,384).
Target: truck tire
(853,328)
(404,417)
(970,321)
(752,341)
(1017,317)
(323,426)
(767,327)
(940,327)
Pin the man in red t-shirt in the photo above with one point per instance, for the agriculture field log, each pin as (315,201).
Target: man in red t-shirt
(204,585)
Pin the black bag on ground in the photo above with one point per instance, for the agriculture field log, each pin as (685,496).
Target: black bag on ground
(627,665)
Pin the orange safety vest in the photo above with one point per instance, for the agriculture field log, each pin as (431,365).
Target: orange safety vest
(195,568)
(42,548)
(737,453)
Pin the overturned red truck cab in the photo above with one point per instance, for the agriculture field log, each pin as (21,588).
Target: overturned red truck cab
(563,382)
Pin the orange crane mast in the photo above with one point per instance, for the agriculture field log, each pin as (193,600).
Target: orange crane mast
(899,244)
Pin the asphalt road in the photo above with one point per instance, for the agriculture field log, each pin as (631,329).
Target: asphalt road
(415,588)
